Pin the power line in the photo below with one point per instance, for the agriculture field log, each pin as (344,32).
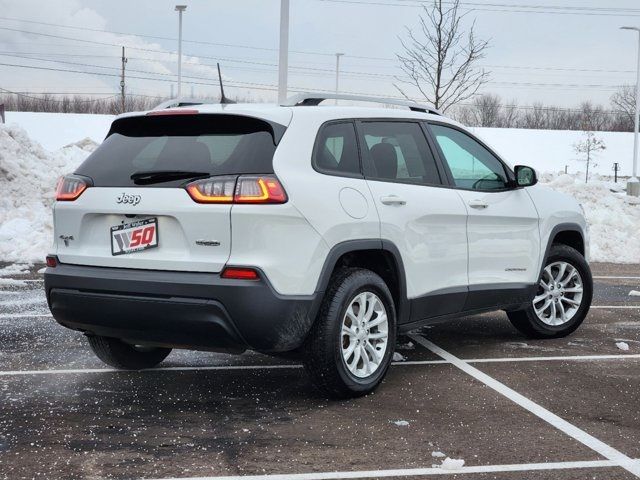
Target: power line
(198,42)
(418,3)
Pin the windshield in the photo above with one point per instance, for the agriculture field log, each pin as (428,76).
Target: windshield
(203,144)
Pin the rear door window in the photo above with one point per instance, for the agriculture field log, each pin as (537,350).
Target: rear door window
(205,144)
(398,152)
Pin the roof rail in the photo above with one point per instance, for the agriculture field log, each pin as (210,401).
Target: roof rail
(313,99)
(184,102)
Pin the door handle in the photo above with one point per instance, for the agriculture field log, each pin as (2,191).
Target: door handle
(479,204)
(392,200)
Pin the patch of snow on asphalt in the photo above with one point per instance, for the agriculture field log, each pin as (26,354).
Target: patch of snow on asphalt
(12,283)
(398,357)
(28,176)
(622,346)
(452,464)
(401,423)
(14,269)
(634,293)
(437,454)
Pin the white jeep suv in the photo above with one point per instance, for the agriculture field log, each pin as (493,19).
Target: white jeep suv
(310,231)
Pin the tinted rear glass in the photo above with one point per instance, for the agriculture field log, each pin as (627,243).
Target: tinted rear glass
(212,144)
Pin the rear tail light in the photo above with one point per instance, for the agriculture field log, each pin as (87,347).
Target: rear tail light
(70,187)
(236,273)
(213,190)
(259,190)
(52,261)
(244,189)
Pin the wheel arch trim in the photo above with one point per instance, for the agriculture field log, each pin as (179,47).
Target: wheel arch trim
(560,228)
(350,246)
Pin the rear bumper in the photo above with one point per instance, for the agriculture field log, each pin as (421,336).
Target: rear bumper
(178,309)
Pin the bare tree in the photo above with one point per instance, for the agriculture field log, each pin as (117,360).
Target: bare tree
(510,115)
(589,147)
(625,101)
(440,58)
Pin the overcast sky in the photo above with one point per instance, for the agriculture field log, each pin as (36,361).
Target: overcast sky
(538,52)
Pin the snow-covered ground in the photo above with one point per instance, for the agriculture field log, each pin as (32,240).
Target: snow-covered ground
(552,150)
(28,175)
(545,150)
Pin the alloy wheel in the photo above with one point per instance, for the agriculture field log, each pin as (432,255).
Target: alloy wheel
(559,294)
(364,335)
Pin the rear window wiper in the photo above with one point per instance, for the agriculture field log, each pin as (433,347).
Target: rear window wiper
(159,176)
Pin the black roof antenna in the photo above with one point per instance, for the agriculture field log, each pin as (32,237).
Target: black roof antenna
(223,99)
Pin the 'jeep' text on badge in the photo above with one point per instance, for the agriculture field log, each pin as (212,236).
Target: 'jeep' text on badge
(129,199)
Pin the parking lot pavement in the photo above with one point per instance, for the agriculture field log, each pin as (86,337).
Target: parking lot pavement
(64,415)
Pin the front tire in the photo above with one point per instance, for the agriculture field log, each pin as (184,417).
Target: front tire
(350,346)
(563,297)
(121,355)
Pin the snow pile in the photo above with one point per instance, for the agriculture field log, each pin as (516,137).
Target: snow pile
(398,357)
(28,176)
(452,464)
(623,346)
(613,217)
(401,423)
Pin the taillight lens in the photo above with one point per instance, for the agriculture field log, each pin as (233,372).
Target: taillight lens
(213,190)
(70,187)
(259,190)
(52,261)
(243,189)
(239,273)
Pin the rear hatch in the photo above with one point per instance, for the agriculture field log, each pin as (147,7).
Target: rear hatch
(136,212)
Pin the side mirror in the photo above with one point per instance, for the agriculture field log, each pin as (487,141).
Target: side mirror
(525,176)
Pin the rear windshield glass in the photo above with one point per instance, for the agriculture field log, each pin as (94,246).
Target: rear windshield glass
(203,144)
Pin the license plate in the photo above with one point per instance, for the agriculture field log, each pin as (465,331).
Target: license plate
(134,237)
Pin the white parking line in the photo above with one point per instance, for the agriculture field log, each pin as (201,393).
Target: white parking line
(601,277)
(408,472)
(9,373)
(619,458)
(70,371)
(631,307)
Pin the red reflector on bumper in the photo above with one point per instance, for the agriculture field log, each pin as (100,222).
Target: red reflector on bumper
(240,273)
(52,261)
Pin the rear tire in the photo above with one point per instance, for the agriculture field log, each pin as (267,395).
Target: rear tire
(564,294)
(118,354)
(348,350)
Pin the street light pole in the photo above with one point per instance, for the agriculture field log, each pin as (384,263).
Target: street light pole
(338,55)
(180,9)
(283,61)
(633,186)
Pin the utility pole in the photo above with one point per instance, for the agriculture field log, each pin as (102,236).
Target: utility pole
(338,55)
(122,84)
(566,169)
(616,168)
(633,185)
(180,9)
(283,60)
